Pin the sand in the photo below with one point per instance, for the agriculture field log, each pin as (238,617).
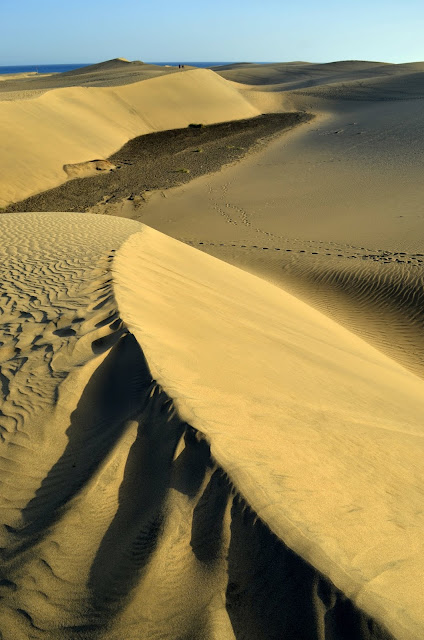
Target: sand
(338,198)
(155,162)
(100,532)
(43,132)
(224,446)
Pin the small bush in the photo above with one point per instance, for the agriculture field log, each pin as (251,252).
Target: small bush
(195,126)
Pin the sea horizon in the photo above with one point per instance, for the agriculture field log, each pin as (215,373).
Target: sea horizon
(62,68)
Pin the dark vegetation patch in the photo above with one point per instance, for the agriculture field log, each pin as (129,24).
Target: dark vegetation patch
(162,160)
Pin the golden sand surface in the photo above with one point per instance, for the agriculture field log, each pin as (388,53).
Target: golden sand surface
(109,491)
(332,210)
(224,446)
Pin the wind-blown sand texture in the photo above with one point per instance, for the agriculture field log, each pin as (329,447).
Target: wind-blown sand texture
(190,452)
(118,523)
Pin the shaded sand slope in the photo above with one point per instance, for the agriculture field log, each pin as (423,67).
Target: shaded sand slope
(117,521)
(76,124)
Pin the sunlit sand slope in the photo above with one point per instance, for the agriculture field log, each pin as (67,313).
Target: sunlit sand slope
(271,488)
(321,433)
(332,210)
(76,124)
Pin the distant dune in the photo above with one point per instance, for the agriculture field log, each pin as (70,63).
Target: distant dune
(332,210)
(116,63)
(277,86)
(284,72)
(106,104)
(73,125)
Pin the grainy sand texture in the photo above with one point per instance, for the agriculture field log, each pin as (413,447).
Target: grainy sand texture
(212,381)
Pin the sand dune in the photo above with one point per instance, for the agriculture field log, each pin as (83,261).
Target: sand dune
(269,86)
(399,86)
(73,125)
(115,63)
(123,524)
(376,294)
(293,75)
(104,105)
(331,210)
(190,452)
(111,73)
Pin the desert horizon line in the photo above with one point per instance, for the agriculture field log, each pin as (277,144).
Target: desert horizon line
(188,61)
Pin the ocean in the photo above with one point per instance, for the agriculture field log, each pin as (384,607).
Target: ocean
(60,68)
(41,68)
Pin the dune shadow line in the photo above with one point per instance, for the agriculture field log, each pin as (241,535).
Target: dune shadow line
(273,593)
(114,394)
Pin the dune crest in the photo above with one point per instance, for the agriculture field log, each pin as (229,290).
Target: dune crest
(101,120)
(149,431)
(357,412)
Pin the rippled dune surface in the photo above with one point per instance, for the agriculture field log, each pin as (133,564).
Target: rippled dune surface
(189,452)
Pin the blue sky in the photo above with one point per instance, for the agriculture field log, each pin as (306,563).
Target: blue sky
(50,31)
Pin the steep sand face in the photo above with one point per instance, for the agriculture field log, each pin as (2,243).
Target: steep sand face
(73,125)
(117,520)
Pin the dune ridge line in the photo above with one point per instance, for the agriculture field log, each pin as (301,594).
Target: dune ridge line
(102,119)
(167,334)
